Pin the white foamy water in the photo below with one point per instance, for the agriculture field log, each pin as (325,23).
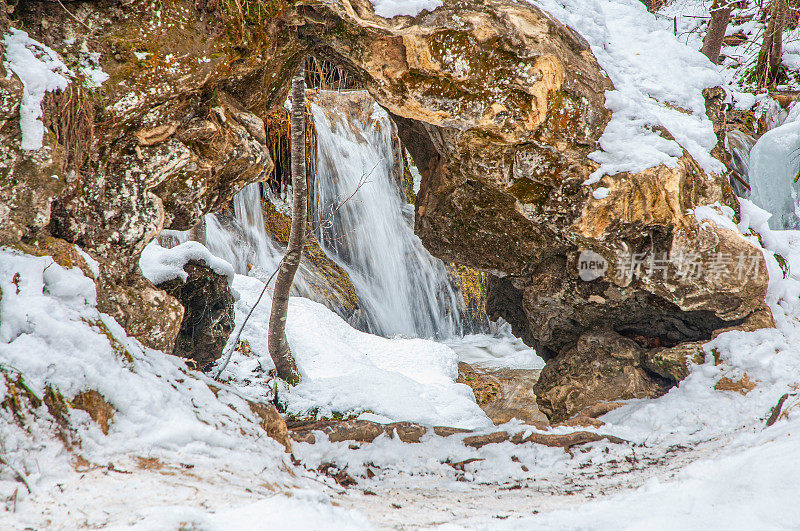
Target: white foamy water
(368,228)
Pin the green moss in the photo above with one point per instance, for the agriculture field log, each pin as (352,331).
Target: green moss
(19,396)
(783,265)
(530,192)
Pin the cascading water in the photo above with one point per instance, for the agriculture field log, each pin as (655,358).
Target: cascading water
(243,241)
(367,227)
(739,145)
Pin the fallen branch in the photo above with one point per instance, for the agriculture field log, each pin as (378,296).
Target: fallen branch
(776,411)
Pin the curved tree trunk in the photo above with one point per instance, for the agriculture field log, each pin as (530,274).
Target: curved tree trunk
(769,58)
(276,341)
(712,42)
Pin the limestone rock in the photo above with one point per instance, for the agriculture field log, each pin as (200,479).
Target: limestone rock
(208,318)
(171,135)
(504,394)
(328,282)
(499,105)
(603,366)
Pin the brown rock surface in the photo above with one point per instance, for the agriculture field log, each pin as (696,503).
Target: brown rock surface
(208,317)
(498,104)
(504,394)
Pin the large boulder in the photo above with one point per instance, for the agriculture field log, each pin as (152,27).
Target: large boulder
(171,134)
(500,105)
(208,318)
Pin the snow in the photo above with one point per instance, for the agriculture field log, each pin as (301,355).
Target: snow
(301,509)
(159,264)
(658,82)
(698,457)
(345,371)
(749,486)
(601,193)
(52,335)
(393,8)
(498,350)
(774,165)
(41,70)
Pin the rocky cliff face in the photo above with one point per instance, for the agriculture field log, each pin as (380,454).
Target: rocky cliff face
(499,106)
(169,136)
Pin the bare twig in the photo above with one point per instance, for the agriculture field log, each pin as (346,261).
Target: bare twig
(239,333)
(76,19)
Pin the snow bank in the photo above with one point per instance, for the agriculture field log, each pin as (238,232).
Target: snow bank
(159,264)
(658,83)
(301,509)
(495,351)
(41,70)
(751,485)
(349,372)
(52,336)
(393,8)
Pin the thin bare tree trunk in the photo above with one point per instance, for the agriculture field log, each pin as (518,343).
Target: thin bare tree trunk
(769,58)
(712,42)
(276,340)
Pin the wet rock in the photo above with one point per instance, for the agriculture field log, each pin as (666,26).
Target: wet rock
(208,317)
(603,366)
(327,281)
(504,394)
(499,106)
(172,134)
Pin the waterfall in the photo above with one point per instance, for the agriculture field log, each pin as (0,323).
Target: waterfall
(739,145)
(243,240)
(366,226)
(362,222)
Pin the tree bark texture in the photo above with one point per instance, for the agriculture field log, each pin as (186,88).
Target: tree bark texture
(769,58)
(712,42)
(276,341)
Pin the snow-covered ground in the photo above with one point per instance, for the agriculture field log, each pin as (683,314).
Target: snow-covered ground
(175,453)
(178,455)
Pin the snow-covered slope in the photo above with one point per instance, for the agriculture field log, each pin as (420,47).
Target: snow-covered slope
(347,372)
(54,342)
(658,82)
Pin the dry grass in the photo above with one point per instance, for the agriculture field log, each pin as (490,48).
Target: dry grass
(71,115)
